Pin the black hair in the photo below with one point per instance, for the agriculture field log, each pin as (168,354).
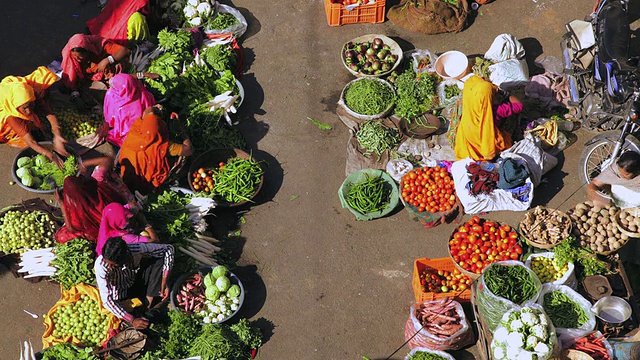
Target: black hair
(116,250)
(80,50)
(630,162)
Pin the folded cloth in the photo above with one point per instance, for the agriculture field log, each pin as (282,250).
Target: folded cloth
(512,174)
(481,181)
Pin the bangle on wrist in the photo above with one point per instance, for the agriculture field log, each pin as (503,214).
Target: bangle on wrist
(111,59)
(140,75)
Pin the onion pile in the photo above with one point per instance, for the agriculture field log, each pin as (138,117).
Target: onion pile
(369,57)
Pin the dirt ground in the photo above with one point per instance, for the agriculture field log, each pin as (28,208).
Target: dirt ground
(323,285)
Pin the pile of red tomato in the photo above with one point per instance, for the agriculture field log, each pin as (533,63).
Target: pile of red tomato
(202,180)
(428,189)
(480,242)
(438,281)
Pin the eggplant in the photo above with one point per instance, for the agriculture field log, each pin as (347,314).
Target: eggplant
(376,47)
(354,67)
(349,54)
(378,72)
(385,67)
(382,54)
(378,41)
(367,64)
(386,47)
(350,45)
(360,57)
(395,57)
(371,51)
(376,65)
(362,48)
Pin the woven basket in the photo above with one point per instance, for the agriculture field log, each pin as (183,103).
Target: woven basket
(633,211)
(525,235)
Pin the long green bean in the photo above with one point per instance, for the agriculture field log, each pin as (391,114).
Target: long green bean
(376,138)
(564,312)
(510,282)
(237,180)
(368,97)
(369,195)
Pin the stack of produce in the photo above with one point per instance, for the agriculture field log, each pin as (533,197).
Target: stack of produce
(428,189)
(237,180)
(83,320)
(441,281)
(368,97)
(201,249)
(68,351)
(629,220)
(563,310)
(480,242)
(570,251)
(37,263)
(525,333)
(595,227)
(440,318)
(74,262)
(75,125)
(547,269)
(222,298)
(222,21)
(376,138)
(22,230)
(177,48)
(198,12)
(416,93)
(369,195)
(544,227)
(594,345)
(37,171)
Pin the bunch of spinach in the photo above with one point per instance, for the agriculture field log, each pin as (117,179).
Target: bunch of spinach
(206,131)
(169,216)
(179,43)
(416,93)
(68,351)
(220,57)
(74,263)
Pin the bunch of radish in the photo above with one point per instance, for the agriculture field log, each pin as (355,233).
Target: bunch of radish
(202,250)
(192,294)
(37,263)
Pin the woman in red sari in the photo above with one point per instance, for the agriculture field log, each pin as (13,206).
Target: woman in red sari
(122,20)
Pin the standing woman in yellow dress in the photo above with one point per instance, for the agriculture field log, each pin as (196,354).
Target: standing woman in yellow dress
(20,98)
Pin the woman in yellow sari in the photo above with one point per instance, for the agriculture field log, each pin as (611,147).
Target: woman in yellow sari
(478,136)
(20,98)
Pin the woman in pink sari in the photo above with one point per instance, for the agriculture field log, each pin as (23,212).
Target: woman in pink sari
(117,222)
(124,102)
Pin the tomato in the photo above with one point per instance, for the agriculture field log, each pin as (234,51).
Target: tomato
(514,256)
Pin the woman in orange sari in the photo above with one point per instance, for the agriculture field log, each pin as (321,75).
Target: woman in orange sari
(20,98)
(147,156)
(478,136)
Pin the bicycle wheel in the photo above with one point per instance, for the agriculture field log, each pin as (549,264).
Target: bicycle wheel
(597,156)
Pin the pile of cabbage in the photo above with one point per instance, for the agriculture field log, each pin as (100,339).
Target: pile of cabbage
(35,172)
(222,298)
(524,333)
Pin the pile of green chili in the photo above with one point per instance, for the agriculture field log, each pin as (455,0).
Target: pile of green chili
(238,180)
(564,312)
(368,97)
(510,282)
(370,195)
(375,138)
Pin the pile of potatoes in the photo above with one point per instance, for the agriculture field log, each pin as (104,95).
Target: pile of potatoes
(545,226)
(629,219)
(595,227)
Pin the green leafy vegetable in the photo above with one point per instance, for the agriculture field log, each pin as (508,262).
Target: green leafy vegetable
(376,138)
(74,263)
(168,214)
(179,42)
(451,91)
(250,335)
(416,93)
(218,342)
(36,172)
(68,351)
(368,97)
(220,57)
(178,336)
(563,311)
(569,251)
(421,355)
(223,21)
(321,126)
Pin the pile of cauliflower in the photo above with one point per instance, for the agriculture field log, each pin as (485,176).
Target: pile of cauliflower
(525,333)
(199,12)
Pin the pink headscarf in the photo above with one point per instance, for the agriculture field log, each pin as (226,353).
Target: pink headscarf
(113,224)
(71,69)
(124,102)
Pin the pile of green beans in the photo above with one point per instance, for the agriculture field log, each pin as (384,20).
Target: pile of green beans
(369,195)
(510,282)
(564,312)
(368,97)
(375,138)
(237,180)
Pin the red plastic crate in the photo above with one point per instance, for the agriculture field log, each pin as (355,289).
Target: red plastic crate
(436,264)
(337,15)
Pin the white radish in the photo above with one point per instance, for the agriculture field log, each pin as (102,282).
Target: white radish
(33,355)
(207,238)
(198,257)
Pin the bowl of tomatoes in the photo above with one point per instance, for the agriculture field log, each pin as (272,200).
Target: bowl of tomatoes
(480,242)
(428,189)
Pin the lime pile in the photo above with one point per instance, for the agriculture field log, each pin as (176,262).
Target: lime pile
(82,319)
(20,230)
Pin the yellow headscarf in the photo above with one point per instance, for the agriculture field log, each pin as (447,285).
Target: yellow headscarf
(477,136)
(16,91)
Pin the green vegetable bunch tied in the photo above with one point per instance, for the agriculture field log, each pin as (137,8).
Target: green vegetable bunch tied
(74,263)
(68,351)
(222,21)
(588,262)
(168,214)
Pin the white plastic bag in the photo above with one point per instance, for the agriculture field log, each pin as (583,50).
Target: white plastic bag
(238,29)
(397,168)
(493,307)
(449,101)
(427,350)
(509,71)
(570,335)
(419,55)
(424,338)
(569,277)
(505,47)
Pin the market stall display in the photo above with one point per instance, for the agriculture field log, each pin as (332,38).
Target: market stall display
(423,353)
(594,345)
(525,332)
(369,194)
(495,242)
(544,228)
(231,176)
(371,55)
(435,279)
(628,222)
(416,93)
(376,138)
(35,173)
(595,227)
(73,263)
(547,268)
(21,230)
(367,98)
(438,325)
(568,310)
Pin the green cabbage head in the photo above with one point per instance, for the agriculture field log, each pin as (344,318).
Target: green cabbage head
(21,172)
(219,271)
(234,291)
(223,283)
(24,161)
(212,293)
(209,280)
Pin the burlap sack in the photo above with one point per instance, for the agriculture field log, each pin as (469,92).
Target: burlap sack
(429,16)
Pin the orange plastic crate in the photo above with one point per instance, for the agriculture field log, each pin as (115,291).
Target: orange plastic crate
(436,264)
(337,15)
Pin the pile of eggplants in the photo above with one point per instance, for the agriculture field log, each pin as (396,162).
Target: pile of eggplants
(369,57)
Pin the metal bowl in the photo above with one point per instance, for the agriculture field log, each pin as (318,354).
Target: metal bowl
(30,152)
(612,310)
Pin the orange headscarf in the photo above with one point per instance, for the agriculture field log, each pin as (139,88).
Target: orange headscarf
(477,136)
(143,154)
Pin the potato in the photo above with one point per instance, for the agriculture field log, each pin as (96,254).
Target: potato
(599,227)
(604,212)
(584,218)
(600,248)
(589,203)
(612,211)
(590,232)
(606,220)
(624,237)
(633,227)
(616,245)
(611,240)
(596,208)
(610,233)
(600,237)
